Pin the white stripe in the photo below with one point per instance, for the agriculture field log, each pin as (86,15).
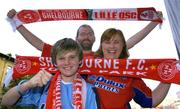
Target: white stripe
(84,93)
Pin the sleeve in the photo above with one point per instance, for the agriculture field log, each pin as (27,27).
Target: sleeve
(30,97)
(90,98)
(142,93)
(46,50)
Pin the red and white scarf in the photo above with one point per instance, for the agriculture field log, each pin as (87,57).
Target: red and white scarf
(165,70)
(128,14)
(54,93)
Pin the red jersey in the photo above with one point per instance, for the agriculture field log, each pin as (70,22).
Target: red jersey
(46,52)
(115,92)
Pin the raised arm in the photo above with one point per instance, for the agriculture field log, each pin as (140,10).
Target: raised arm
(141,34)
(159,93)
(30,37)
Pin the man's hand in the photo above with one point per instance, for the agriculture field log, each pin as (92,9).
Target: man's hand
(11,13)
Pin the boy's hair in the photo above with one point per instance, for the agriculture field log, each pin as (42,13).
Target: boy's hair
(64,45)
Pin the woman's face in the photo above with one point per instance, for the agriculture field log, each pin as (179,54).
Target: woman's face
(112,48)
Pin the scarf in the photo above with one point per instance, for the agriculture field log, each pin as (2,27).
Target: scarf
(131,14)
(165,70)
(54,93)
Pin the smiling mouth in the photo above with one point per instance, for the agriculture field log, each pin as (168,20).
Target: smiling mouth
(85,41)
(112,51)
(67,68)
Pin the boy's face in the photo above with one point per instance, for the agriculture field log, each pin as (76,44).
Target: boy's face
(68,64)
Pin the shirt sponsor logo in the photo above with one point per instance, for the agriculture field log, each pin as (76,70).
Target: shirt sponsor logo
(106,84)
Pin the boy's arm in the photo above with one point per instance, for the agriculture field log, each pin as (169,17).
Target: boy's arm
(13,95)
(38,80)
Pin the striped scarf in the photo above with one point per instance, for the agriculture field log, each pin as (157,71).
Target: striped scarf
(54,93)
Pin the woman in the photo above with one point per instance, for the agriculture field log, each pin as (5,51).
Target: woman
(117,92)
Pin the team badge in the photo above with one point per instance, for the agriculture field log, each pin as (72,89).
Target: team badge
(28,16)
(167,70)
(148,14)
(22,66)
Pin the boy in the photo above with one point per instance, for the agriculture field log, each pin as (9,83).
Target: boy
(65,90)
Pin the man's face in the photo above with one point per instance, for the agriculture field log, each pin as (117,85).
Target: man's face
(86,38)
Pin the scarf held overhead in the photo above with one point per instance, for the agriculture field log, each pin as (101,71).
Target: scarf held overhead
(164,70)
(132,14)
